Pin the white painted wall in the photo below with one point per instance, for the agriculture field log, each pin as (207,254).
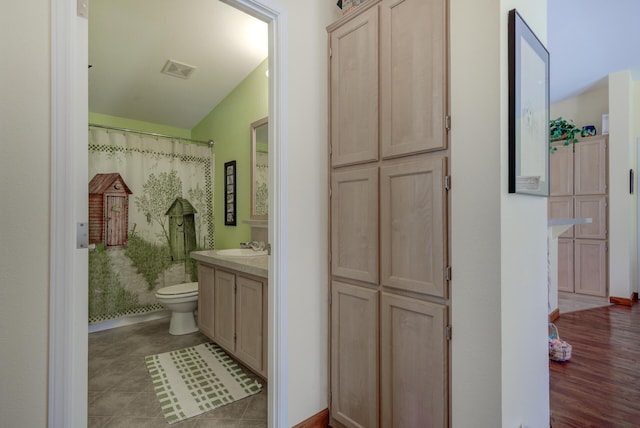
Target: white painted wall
(307,229)
(586,108)
(24,212)
(622,157)
(499,288)
(525,363)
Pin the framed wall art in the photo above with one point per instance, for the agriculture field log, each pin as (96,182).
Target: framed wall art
(528,110)
(230,193)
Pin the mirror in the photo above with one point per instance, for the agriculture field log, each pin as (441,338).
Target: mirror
(260,169)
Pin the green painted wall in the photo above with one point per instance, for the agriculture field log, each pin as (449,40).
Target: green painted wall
(138,125)
(228,124)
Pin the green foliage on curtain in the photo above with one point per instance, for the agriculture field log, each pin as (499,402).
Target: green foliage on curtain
(106,293)
(159,192)
(149,259)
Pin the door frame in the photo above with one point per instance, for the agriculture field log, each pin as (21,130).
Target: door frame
(68,276)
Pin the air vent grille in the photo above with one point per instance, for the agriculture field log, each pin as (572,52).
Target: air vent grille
(178,69)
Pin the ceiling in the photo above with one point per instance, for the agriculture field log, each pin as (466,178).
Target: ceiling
(131,41)
(589,39)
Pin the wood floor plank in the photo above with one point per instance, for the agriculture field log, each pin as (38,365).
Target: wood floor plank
(600,386)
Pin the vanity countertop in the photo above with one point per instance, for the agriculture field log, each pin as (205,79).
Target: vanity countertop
(253,265)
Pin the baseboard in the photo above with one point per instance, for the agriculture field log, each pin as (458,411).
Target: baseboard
(622,301)
(554,315)
(131,319)
(319,420)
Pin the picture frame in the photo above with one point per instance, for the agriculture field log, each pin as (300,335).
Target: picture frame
(528,110)
(230,193)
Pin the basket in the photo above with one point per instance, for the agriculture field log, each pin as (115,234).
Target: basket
(559,350)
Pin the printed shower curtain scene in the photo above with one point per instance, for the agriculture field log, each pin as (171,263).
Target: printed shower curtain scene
(150,205)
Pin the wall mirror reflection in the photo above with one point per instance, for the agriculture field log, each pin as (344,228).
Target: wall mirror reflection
(260,169)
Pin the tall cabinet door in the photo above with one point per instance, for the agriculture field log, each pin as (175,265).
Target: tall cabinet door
(561,207)
(595,208)
(413,226)
(591,267)
(413,372)
(565,265)
(590,162)
(354,90)
(413,61)
(561,170)
(224,311)
(354,224)
(354,355)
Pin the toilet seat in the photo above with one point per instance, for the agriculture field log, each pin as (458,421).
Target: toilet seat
(188,289)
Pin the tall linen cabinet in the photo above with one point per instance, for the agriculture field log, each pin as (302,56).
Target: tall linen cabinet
(579,178)
(389,262)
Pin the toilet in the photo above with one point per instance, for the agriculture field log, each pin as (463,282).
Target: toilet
(182,300)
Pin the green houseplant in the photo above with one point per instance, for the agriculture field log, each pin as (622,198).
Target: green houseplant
(562,129)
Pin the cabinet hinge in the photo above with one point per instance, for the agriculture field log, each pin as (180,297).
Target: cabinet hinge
(235,337)
(330,193)
(235,288)
(447,182)
(447,122)
(447,332)
(330,53)
(447,273)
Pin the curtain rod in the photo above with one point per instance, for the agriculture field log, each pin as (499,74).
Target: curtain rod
(153,134)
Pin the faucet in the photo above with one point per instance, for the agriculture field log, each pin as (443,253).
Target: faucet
(254,245)
(257,245)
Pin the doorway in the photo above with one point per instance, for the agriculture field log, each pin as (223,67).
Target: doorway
(68,302)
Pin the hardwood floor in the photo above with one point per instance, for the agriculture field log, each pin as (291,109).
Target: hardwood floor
(600,385)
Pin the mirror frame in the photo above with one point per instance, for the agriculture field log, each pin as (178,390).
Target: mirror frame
(254,126)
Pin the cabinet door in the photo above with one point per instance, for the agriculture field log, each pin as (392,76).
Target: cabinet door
(591,267)
(565,265)
(561,170)
(354,355)
(413,363)
(595,208)
(354,218)
(354,90)
(561,207)
(412,225)
(591,167)
(206,275)
(249,300)
(413,69)
(224,310)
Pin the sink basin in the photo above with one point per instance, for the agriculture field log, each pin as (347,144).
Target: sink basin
(241,252)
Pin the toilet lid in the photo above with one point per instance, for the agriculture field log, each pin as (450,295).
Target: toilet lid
(179,289)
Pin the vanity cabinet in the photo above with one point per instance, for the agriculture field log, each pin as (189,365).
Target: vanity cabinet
(389,216)
(232,310)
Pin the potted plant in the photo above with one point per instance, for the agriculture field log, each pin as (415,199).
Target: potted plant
(561,129)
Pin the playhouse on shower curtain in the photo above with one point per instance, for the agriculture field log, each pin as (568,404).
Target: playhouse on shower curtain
(150,205)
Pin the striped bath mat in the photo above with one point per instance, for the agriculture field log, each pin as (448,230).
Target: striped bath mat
(194,380)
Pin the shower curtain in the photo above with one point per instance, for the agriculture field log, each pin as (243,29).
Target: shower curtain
(150,204)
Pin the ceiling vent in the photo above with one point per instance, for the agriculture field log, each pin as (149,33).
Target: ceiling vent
(178,69)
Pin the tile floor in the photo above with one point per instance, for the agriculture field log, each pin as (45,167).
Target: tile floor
(120,389)
(571,302)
